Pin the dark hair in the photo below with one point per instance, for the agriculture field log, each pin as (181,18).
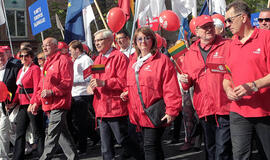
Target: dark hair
(27,50)
(76,44)
(147,31)
(123,31)
(239,6)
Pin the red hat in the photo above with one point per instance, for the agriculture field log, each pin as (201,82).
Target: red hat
(85,48)
(202,20)
(192,25)
(220,17)
(4,49)
(62,45)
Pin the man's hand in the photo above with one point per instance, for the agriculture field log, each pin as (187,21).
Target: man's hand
(10,106)
(96,83)
(124,96)
(183,78)
(231,94)
(89,89)
(46,93)
(243,90)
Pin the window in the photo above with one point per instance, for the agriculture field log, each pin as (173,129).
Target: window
(16,16)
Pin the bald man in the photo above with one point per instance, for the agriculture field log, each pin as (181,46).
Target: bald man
(54,94)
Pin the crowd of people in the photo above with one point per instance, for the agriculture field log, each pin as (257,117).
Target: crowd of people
(230,108)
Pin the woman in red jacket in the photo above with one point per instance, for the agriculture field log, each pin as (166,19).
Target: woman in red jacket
(157,80)
(27,82)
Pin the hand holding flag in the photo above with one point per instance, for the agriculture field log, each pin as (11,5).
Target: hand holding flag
(97,68)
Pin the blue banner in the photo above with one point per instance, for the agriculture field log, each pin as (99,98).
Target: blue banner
(39,16)
(254,19)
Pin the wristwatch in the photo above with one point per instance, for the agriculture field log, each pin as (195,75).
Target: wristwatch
(254,87)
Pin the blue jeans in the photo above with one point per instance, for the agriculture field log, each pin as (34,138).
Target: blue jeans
(217,137)
(242,129)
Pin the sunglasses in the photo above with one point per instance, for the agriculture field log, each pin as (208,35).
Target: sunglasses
(231,19)
(263,19)
(146,39)
(21,56)
(41,58)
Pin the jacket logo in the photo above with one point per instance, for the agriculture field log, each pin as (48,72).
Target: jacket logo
(51,67)
(147,68)
(216,55)
(257,51)
(108,66)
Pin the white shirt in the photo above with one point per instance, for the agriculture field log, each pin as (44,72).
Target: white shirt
(79,84)
(127,50)
(107,54)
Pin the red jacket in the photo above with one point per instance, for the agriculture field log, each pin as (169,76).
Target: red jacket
(30,81)
(107,101)
(157,78)
(209,97)
(57,75)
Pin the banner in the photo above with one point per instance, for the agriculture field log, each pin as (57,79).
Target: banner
(39,16)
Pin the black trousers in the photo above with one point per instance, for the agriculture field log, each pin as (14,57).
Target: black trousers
(23,120)
(78,119)
(152,143)
(242,129)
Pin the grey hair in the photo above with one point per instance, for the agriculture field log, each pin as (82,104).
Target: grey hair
(54,41)
(106,33)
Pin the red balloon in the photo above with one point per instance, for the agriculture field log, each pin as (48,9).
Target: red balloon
(116,19)
(192,26)
(159,41)
(169,20)
(4,92)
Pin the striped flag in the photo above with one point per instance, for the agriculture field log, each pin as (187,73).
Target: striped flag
(177,50)
(97,68)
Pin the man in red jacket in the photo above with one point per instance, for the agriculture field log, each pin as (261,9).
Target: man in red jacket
(210,101)
(111,111)
(54,94)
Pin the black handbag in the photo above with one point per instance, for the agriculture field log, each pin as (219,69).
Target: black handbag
(156,111)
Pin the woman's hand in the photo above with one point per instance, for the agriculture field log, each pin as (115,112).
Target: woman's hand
(169,119)
(124,96)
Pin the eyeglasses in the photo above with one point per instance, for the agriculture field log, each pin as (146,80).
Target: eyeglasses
(120,38)
(146,39)
(46,45)
(24,56)
(231,19)
(99,40)
(263,19)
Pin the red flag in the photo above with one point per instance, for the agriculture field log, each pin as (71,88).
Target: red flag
(87,72)
(125,6)
(217,68)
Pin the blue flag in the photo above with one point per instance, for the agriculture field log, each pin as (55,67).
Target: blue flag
(74,29)
(205,9)
(184,28)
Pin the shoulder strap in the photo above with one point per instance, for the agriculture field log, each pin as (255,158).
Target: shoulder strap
(139,90)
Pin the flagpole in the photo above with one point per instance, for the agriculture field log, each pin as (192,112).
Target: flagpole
(137,3)
(96,24)
(42,37)
(100,14)
(9,37)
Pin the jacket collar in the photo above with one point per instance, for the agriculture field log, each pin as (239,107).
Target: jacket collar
(216,43)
